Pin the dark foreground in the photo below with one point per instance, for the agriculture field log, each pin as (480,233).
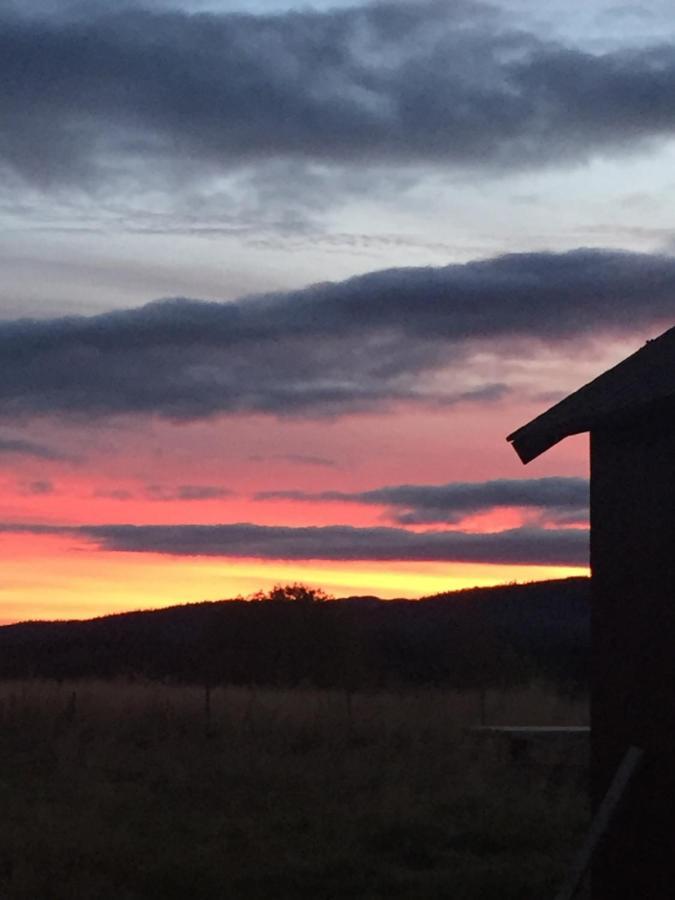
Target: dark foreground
(132,791)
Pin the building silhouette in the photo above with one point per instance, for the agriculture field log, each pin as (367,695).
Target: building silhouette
(629,412)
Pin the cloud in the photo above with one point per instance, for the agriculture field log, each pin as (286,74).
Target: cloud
(368,343)
(97,95)
(187,492)
(296,459)
(562,499)
(167,493)
(524,546)
(20,447)
(38,488)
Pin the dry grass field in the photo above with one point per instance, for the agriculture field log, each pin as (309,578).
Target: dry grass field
(129,790)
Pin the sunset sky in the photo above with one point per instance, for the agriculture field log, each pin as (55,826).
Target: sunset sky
(278,278)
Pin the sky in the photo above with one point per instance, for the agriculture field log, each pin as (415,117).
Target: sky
(278,278)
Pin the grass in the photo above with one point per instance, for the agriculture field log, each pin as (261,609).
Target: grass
(125,791)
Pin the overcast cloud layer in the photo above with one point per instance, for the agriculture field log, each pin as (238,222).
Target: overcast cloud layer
(524,546)
(421,504)
(94,95)
(362,344)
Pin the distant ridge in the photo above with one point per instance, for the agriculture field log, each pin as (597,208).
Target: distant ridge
(506,590)
(497,634)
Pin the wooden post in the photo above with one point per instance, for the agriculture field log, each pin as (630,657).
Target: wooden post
(601,822)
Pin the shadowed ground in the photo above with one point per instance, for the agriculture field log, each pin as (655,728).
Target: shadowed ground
(124,791)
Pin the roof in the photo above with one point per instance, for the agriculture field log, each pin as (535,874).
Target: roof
(643,381)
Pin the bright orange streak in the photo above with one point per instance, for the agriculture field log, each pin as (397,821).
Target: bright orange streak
(49,577)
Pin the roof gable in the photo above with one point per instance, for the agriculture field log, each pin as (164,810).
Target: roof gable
(644,379)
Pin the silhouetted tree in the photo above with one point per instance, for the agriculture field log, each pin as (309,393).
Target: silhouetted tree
(291,593)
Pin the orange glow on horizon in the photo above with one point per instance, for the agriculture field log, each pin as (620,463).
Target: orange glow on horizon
(55,578)
(133,473)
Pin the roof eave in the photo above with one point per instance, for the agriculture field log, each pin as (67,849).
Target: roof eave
(548,429)
(529,446)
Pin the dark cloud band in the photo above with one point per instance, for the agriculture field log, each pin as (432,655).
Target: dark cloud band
(524,546)
(21,447)
(359,345)
(383,84)
(413,504)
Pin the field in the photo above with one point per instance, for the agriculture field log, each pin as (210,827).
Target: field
(138,790)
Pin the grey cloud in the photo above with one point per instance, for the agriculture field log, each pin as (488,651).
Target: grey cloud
(561,499)
(21,447)
(298,459)
(93,94)
(38,487)
(34,528)
(359,345)
(487,393)
(577,518)
(526,546)
(629,10)
(187,492)
(167,493)
(301,459)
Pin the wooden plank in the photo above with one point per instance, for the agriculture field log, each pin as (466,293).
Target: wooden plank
(601,822)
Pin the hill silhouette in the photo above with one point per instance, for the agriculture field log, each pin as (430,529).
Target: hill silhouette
(481,636)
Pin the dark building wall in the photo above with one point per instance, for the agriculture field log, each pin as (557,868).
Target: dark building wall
(633,674)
